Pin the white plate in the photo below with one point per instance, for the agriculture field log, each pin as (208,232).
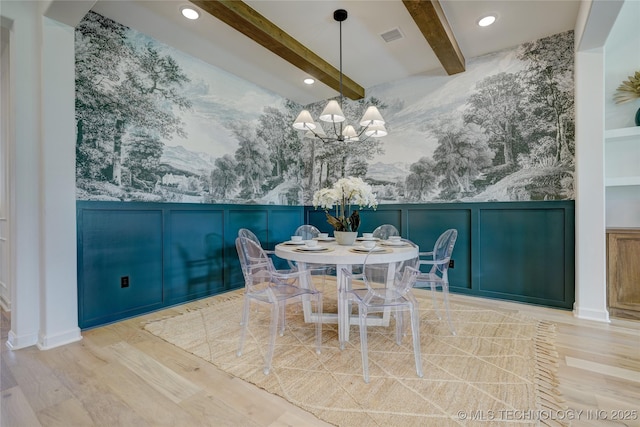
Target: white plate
(291,242)
(324,239)
(392,243)
(360,239)
(363,249)
(315,248)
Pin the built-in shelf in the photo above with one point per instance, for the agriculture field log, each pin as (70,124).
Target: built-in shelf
(622,181)
(621,152)
(622,133)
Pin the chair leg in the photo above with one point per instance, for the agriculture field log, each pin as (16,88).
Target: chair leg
(415,332)
(399,314)
(434,296)
(244,322)
(273,330)
(445,295)
(364,349)
(319,324)
(283,317)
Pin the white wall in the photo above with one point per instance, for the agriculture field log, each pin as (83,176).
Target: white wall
(6,162)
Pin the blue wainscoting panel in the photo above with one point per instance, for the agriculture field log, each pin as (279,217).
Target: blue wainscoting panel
(522,255)
(194,254)
(426,223)
(114,244)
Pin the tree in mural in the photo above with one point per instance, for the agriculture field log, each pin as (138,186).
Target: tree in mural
(120,89)
(224,179)
(99,44)
(549,78)
(147,98)
(462,153)
(497,106)
(282,139)
(253,161)
(142,160)
(421,181)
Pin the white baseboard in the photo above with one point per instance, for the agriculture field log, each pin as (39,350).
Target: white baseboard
(52,341)
(15,342)
(596,315)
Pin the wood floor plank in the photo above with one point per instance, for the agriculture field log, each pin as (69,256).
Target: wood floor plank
(612,371)
(143,398)
(15,410)
(163,379)
(70,412)
(38,382)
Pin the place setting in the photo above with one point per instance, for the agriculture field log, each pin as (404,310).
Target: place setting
(369,246)
(295,241)
(312,246)
(367,237)
(394,241)
(324,237)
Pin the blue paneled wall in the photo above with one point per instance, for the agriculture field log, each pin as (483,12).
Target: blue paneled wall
(173,253)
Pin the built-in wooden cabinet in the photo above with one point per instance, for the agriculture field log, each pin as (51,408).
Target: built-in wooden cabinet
(623,272)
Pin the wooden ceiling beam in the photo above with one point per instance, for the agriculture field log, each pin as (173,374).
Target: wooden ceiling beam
(249,22)
(434,26)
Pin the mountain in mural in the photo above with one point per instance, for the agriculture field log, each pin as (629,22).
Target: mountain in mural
(388,172)
(189,161)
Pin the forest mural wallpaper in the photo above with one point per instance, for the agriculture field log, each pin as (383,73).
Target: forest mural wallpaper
(154,124)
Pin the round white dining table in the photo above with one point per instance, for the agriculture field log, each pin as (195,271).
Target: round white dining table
(343,257)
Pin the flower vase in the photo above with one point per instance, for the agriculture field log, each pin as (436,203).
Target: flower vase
(345,238)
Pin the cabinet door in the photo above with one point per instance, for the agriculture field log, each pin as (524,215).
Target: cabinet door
(623,273)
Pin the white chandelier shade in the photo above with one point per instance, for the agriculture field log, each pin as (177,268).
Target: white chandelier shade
(372,124)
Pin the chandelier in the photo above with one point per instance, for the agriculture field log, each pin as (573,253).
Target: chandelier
(372,123)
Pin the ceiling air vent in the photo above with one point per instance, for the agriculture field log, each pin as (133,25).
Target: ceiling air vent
(391,35)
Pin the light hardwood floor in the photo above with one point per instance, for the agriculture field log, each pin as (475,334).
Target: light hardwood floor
(120,375)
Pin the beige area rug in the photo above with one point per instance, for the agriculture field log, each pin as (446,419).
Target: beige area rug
(498,370)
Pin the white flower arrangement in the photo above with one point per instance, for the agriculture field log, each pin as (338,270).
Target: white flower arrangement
(344,193)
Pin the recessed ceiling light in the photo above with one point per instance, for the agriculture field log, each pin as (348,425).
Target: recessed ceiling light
(189,13)
(309,81)
(487,20)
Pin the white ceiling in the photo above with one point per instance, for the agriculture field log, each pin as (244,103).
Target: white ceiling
(367,59)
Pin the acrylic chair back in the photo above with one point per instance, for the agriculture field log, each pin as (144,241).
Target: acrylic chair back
(245,232)
(383,231)
(442,251)
(307,232)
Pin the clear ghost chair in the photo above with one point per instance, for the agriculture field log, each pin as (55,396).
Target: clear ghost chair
(266,285)
(309,232)
(437,276)
(384,290)
(383,231)
(245,232)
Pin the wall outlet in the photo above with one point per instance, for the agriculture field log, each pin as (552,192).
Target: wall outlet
(124,282)
(450,263)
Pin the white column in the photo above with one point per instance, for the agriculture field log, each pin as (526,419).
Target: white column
(58,290)
(591,288)
(25,26)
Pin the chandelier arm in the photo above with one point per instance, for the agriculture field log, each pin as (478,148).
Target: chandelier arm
(315,133)
(363,131)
